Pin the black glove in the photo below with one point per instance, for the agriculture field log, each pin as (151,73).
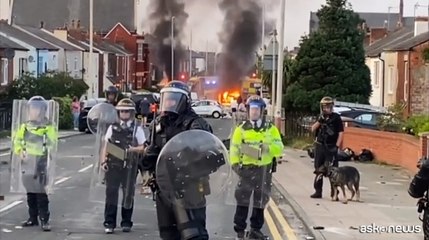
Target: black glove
(321,119)
(236,168)
(150,156)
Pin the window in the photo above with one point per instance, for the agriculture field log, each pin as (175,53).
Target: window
(391,80)
(40,65)
(376,73)
(4,73)
(139,52)
(406,79)
(367,118)
(75,64)
(23,66)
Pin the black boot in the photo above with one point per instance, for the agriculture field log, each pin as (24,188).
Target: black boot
(46,227)
(240,235)
(318,186)
(30,223)
(256,234)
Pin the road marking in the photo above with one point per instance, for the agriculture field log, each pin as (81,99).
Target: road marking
(272,226)
(86,168)
(4,154)
(11,205)
(279,216)
(62,180)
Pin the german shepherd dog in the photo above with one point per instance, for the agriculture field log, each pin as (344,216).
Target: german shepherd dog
(344,176)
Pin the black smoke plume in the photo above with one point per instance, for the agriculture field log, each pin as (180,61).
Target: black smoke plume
(160,17)
(240,39)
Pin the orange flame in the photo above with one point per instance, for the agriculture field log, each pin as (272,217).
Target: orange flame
(228,96)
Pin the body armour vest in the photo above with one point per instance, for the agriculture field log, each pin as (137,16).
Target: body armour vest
(122,137)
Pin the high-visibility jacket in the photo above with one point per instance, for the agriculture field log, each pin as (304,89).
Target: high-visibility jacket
(34,140)
(245,134)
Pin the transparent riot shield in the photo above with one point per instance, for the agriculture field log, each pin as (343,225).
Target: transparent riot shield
(250,184)
(109,115)
(34,139)
(192,170)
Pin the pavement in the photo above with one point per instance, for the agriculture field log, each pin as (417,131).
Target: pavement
(386,204)
(5,142)
(74,216)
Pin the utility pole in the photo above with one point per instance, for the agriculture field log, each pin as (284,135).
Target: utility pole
(280,66)
(190,56)
(273,75)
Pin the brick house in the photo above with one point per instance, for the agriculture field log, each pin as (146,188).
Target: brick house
(134,43)
(412,86)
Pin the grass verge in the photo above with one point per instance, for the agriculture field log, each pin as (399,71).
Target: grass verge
(301,143)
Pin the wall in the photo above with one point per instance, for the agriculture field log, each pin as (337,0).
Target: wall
(392,148)
(54,61)
(74,63)
(419,97)
(375,98)
(92,81)
(390,83)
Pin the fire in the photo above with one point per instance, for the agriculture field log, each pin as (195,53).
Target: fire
(228,96)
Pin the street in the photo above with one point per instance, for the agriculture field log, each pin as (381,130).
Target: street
(73,216)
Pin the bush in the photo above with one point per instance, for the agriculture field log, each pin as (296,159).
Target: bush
(47,85)
(394,120)
(417,124)
(65,112)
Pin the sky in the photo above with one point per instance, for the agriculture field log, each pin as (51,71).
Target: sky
(205,19)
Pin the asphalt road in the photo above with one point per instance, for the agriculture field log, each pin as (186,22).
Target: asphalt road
(73,216)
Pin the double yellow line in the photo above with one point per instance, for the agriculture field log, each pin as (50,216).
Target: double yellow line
(285,228)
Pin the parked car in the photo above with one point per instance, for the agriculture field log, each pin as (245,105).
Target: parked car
(86,105)
(151,97)
(208,108)
(362,118)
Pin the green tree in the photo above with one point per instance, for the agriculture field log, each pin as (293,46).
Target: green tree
(331,61)
(287,65)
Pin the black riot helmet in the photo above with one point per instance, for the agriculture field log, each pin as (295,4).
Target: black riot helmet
(175,97)
(112,90)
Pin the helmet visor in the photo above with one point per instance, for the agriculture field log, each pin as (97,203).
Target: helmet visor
(37,110)
(172,102)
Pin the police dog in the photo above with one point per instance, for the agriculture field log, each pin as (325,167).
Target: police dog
(344,176)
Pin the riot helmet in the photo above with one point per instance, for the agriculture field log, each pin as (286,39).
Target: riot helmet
(37,108)
(326,105)
(175,97)
(256,107)
(112,94)
(126,109)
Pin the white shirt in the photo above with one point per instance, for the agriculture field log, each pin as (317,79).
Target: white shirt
(140,136)
(234,104)
(258,123)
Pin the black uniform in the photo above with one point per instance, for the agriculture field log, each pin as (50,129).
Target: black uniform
(419,187)
(170,224)
(117,175)
(325,147)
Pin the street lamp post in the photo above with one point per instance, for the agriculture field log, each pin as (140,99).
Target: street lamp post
(91,44)
(273,75)
(280,65)
(172,48)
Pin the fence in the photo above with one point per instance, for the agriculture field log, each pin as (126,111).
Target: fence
(5,116)
(298,125)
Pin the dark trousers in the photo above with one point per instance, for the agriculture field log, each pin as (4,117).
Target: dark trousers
(256,180)
(38,206)
(322,159)
(115,177)
(175,222)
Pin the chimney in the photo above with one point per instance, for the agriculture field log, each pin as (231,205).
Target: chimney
(420,25)
(401,13)
(377,34)
(42,24)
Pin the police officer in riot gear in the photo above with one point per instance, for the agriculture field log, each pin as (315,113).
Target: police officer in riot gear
(33,140)
(329,135)
(126,134)
(176,116)
(418,188)
(112,95)
(254,172)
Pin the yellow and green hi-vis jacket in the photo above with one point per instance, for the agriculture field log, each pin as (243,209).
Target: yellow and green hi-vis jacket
(34,140)
(268,135)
